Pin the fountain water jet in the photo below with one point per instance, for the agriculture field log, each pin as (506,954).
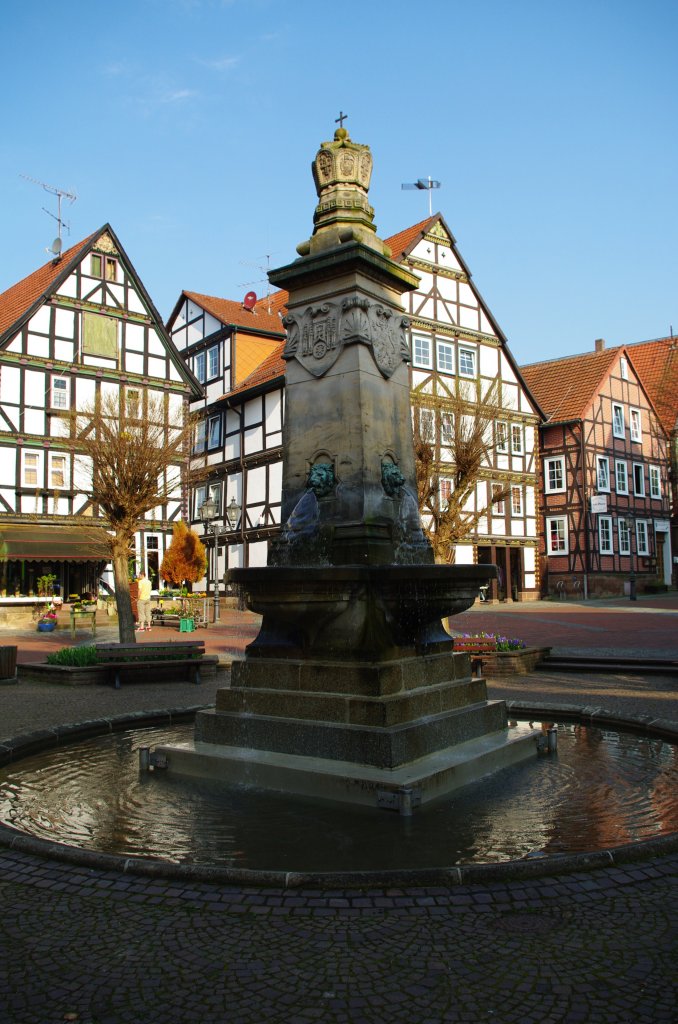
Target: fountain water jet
(351,690)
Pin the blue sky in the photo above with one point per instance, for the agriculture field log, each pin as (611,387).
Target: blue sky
(190,125)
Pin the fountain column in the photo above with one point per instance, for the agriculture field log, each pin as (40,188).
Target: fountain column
(351,690)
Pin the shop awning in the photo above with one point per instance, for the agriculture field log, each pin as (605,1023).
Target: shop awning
(37,543)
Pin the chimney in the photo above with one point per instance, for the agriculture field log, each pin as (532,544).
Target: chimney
(600,344)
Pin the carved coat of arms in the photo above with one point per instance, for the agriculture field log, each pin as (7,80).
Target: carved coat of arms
(313,338)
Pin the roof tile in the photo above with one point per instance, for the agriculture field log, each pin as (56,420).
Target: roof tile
(565,388)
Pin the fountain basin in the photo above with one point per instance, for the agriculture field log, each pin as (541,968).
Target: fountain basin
(363,612)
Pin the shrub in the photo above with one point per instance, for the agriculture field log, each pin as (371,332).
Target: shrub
(73,656)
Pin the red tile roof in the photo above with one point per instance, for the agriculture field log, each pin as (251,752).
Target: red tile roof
(22,296)
(656,363)
(403,239)
(565,388)
(229,312)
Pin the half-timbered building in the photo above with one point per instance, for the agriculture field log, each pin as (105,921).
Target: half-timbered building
(456,347)
(657,364)
(80,327)
(605,498)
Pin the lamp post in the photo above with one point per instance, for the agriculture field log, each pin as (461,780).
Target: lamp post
(208,514)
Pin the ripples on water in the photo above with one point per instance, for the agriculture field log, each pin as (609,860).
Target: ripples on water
(602,789)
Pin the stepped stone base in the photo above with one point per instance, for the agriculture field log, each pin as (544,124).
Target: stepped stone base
(403,789)
(392,733)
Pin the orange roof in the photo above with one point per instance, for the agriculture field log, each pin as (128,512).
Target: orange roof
(403,239)
(22,296)
(656,363)
(229,312)
(565,388)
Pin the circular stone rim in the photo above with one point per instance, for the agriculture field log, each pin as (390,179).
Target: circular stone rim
(463,874)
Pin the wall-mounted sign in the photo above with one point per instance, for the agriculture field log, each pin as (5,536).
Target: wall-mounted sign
(598,503)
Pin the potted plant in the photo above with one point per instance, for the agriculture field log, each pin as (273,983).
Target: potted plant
(47,622)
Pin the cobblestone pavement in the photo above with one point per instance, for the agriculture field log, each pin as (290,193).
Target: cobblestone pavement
(98,947)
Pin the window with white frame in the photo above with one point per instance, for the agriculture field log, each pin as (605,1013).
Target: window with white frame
(554,474)
(445,488)
(445,354)
(498,502)
(200,437)
(57,470)
(215,495)
(446,428)
(516,500)
(421,351)
(638,479)
(425,424)
(624,368)
(603,472)
(199,366)
(624,535)
(60,393)
(214,432)
(655,483)
(200,494)
(621,475)
(618,420)
(556,536)
(501,437)
(212,362)
(642,538)
(467,361)
(516,439)
(635,422)
(605,535)
(31,469)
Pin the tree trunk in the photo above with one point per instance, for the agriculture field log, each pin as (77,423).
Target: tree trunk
(122,595)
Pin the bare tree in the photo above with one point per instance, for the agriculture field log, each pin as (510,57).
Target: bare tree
(462,426)
(130,457)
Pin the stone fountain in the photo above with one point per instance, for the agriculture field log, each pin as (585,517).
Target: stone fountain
(351,691)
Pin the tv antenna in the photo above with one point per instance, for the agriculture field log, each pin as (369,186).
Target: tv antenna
(425,184)
(264,268)
(60,193)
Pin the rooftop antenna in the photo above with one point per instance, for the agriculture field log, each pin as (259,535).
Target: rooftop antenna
(261,280)
(425,184)
(60,193)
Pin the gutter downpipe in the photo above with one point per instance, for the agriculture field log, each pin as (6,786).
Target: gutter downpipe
(586,510)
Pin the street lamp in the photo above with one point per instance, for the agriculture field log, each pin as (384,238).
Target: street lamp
(208,513)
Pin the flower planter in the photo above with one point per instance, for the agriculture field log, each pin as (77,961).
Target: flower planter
(46,627)
(510,663)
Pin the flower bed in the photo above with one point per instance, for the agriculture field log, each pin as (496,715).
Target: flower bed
(511,657)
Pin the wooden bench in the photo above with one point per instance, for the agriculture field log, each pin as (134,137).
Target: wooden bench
(177,654)
(84,613)
(476,647)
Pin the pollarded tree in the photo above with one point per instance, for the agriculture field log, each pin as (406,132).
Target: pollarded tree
(185,559)
(130,456)
(455,435)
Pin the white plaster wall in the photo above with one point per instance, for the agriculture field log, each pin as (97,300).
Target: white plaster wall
(134,337)
(464,554)
(254,440)
(529,559)
(64,324)
(258,553)
(485,325)
(69,287)
(15,344)
(37,346)
(156,346)
(235,556)
(40,320)
(64,351)
(10,378)
(211,325)
(134,303)
(489,362)
(84,392)
(156,367)
(468,317)
(134,362)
